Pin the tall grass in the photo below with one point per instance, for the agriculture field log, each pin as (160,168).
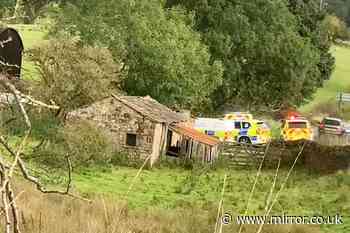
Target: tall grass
(57,214)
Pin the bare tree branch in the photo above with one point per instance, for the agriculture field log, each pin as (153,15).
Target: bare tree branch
(9,208)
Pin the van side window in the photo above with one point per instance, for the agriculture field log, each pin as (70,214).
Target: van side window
(237,125)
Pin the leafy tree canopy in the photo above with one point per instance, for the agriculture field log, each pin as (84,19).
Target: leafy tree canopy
(162,54)
(7,3)
(272,50)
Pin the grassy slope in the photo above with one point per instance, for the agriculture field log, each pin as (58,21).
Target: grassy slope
(31,36)
(340,80)
(169,188)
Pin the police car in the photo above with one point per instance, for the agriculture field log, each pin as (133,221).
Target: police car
(296,128)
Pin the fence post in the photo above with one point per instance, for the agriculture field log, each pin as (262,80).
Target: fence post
(340,102)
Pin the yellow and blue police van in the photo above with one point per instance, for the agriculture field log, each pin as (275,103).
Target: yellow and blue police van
(238,130)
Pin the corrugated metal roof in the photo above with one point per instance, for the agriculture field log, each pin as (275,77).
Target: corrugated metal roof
(195,135)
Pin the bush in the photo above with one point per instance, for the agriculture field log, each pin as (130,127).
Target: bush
(337,28)
(72,75)
(81,141)
(44,124)
(84,143)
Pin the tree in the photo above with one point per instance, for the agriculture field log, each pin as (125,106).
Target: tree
(336,28)
(11,161)
(7,4)
(340,8)
(267,61)
(72,75)
(6,7)
(26,11)
(163,56)
(311,16)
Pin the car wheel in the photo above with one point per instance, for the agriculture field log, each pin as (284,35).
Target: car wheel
(244,140)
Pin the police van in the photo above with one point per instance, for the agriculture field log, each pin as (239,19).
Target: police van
(237,130)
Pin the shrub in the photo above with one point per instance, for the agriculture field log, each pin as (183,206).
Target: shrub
(85,143)
(336,28)
(44,124)
(72,75)
(81,141)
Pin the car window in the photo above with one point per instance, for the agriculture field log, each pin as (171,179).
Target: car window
(331,122)
(297,125)
(246,125)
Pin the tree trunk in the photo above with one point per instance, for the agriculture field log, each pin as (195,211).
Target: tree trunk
(23,12)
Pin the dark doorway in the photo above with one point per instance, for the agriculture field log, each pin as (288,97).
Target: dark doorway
(172,150)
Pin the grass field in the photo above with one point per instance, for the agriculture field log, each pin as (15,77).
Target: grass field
(164,188)
(31,35)
(339,82)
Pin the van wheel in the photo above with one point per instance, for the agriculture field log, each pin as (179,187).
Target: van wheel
(244,140)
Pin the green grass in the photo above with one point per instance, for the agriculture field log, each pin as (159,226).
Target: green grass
(304,194)
(339,82)
(31,35)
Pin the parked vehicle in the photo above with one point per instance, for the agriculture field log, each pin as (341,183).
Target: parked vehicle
(296,128)
(330,125)
(241,131)
(238,116)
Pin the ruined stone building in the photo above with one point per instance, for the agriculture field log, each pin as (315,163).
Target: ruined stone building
(142,127)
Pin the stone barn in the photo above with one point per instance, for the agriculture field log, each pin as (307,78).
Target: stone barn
(142,127)
(11,48)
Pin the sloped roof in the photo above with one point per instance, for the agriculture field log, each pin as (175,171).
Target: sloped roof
(151,108)
(195,135)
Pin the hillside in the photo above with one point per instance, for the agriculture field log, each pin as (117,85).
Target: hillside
(31,35)
(339,82)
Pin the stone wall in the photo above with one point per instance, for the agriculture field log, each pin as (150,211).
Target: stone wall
(117,120)
(315,157)
(333,140)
